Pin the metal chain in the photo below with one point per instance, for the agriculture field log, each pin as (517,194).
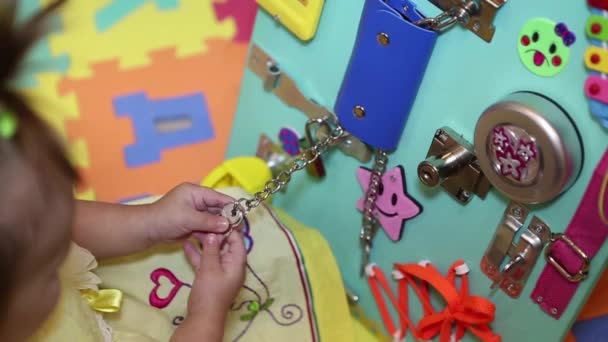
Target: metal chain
(308,156)
(459,13)
(369,224)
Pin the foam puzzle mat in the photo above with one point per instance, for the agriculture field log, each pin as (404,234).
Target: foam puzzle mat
(145,91)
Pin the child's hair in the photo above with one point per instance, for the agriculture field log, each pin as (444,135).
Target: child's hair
(33,142)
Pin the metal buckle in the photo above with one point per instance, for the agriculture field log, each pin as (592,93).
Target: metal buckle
(582,273)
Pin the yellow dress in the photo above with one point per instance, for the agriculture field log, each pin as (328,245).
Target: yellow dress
(293,290)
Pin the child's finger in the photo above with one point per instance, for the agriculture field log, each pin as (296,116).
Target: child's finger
(193,255)
(210,255)
(225,249)
(237,247)
(203,221)
(210,197)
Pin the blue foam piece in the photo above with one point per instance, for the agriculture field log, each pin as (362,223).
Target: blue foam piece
(133,198)
(592,330)
(117,10)
(144,112)
(598,109)
(39,59)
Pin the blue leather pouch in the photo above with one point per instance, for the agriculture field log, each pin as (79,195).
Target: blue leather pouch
(385,70)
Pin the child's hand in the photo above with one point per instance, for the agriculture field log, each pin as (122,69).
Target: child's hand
(186,209)
(220,273)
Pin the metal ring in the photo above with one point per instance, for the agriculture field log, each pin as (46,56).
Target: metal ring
(315,121)
(238,206)
(439,22)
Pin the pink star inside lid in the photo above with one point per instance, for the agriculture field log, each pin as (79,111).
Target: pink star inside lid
(514,153)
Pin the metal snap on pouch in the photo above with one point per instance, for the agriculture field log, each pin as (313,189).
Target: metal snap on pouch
(528,148)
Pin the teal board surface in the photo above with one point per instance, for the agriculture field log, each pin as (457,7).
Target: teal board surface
(465,76)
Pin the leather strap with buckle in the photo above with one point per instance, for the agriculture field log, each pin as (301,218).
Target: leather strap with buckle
(569,254)
(582,273)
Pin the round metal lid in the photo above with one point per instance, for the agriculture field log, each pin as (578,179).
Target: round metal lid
(521,148)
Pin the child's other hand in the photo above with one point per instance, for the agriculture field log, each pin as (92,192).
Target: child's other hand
(220,274)
(185,209)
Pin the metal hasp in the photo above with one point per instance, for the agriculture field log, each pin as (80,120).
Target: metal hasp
(522,255)
(512,220)
(276,81)
(451,163)
(276,158)
(478,17)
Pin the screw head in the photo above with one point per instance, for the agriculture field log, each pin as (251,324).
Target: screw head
(441,135)
(464,195)
(359,112)
(517,211)
(383,39)
(539,228)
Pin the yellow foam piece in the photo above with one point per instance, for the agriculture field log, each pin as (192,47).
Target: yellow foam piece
(87,195)
(79,154)
(301,17)
(55,110)
(248,173)
(602,66)
(52,107)
(129,41)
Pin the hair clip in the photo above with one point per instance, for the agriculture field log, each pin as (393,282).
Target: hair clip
(561,30)
(8,125)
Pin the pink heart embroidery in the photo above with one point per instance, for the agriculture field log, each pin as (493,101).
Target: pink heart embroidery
(155,299)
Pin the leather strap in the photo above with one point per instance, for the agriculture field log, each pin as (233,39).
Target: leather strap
(569,254)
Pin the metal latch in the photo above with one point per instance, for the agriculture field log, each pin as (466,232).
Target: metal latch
(522,256)
(451,163)
(478,17)
(275,156)
(285,88)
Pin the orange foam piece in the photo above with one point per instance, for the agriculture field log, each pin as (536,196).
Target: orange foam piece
(597,304)
(570,337)
(216,73)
